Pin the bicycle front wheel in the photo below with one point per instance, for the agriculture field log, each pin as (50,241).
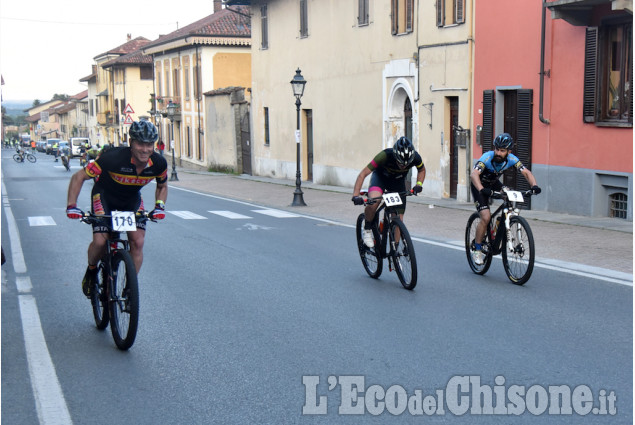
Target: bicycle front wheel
(31,157)
(470,235)
(403,254)
(18,158)
(124,300)
(99,298)
(371,257)
(519,256)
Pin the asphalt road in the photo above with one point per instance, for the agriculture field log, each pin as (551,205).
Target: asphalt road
(244,308)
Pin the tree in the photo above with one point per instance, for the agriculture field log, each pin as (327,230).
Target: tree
(60,97)
(36,102)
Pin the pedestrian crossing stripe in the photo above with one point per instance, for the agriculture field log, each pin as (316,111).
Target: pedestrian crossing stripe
(41,221)
(276,213)
(188,215)
(230,215)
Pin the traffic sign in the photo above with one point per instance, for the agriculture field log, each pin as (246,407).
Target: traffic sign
(128,110)
(128,120)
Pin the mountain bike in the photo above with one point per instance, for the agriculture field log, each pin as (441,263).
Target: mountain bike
(392,241)
(21,156)
(115,294)
(510,236)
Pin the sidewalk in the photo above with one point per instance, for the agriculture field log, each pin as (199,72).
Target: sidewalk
(604,243)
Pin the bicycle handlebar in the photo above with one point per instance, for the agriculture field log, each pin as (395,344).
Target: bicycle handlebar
(371,201)
(90,218)
(503,195)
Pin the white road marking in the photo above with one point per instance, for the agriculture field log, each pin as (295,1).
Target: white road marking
(276,213)
(41,221)
(49,399)
(188,215)
(230,215)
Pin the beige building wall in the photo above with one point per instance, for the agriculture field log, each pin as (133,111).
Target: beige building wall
(218,69)
(362,81)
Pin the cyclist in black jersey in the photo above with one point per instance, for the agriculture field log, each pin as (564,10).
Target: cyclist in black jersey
(119,175)
(389,168)
(485,179)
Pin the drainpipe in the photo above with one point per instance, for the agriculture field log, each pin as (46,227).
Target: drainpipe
(542,65)
(198,102)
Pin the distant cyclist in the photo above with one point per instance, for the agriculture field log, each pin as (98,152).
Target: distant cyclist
(485,180)
(120,174)
(389,168)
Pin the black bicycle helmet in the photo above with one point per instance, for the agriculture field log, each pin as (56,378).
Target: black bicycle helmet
(404,151)
(503,141)
(143,131)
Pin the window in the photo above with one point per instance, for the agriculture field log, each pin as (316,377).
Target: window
(186,82)
(167,81)
(158,75)
(450,12)
(304,25)
(177,86)
(264,30)
(402,16)
(266,126)
(608,73)
(362,12)
(197,76)
(619,205)
(145,73)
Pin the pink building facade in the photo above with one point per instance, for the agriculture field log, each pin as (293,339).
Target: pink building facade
(558,78)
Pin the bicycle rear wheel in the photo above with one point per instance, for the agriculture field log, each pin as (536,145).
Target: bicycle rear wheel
(403,255)
(371,258)
(124,300)
(519,263)
(99,298)
(18,158)
(470,235)
(31,157)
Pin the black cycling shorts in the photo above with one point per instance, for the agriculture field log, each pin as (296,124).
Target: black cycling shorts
(103,205)
(482,202)
(382,183)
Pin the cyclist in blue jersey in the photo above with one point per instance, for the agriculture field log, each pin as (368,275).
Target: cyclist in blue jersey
(390,168)
(485,180)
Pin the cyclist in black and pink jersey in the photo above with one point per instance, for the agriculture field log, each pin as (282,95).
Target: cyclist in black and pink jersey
(390,168)
(485,180)
(119,175)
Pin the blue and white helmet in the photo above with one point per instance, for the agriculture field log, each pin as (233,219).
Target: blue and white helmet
(503,141)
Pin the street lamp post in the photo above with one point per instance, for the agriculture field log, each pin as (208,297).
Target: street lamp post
(298,84)
(171,111)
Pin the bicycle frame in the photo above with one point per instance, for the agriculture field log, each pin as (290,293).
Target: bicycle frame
(502,238)
(384,224)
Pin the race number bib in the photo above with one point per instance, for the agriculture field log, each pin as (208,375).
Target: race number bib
(392,199)
(515,196)
(123,221)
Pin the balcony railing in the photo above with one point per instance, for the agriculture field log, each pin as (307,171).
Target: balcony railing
(106,118)
(164,101)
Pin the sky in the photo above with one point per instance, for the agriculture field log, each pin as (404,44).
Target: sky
(46,47)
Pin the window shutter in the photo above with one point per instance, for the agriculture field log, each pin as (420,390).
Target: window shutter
(264,30)
(459,10)
(524,110)
(487,134)
(394,16)
(304,31)
(590,75)
(409,15)
(440,12)
(360,12)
